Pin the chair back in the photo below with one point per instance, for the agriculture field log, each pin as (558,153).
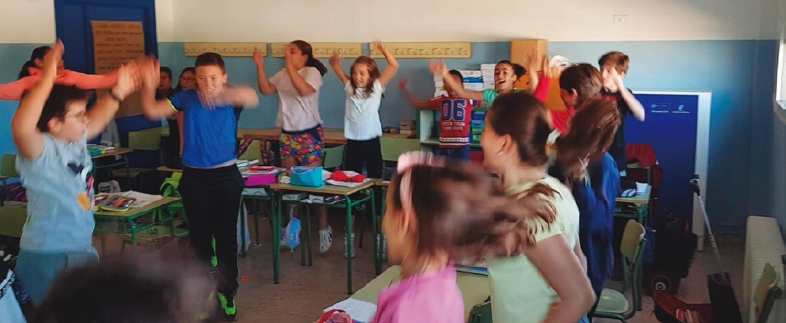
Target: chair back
(334,157)
(8,166)
(394,147)
(767,291)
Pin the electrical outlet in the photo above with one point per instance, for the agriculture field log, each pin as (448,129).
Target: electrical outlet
(621,19)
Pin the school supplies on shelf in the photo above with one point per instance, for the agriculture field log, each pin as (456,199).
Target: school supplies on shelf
(319,199)
(96,150)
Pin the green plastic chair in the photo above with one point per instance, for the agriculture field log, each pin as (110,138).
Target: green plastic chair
(7,169)
(613,304)
(481,313)
(767,291)
(334,157)
(394,147)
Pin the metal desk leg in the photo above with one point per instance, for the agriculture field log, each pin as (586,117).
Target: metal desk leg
(256,221)
(302,234)
(308,236)
(377,257)
(349,239)
(242,219)
(276,236)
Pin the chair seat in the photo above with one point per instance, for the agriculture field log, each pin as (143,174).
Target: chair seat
(612,301)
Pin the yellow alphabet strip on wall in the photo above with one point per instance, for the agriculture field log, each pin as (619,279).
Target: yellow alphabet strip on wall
(426,50)
(323,49)
(225,49)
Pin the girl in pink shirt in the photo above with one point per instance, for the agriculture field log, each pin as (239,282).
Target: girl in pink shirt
(31,73)
(439,210)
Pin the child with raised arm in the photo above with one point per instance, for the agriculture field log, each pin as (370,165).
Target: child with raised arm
(301,140)
(50,129)
(32,71)
(505,76)
(455,115)
(613,68)
(211,184)
(362,127)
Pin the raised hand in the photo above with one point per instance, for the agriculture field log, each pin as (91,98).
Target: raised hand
(379,46)
(129,79)
(550,71)
(150,73)
(53,58)
(616,77)
(258,59)
(335,59)
(438,68)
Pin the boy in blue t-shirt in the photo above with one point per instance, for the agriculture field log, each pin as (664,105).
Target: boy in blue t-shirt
(50,129)
(211,185)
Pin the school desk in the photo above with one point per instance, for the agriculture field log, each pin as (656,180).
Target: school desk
(474,288)
(640,203)
(128,223)
(264,193)
(347,204)
(117,152)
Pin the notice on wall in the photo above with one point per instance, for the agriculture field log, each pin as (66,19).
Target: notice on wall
(115,43)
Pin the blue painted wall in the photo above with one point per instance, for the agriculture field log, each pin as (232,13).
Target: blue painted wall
(740,74)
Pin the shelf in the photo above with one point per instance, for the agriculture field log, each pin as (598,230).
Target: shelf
(435,142)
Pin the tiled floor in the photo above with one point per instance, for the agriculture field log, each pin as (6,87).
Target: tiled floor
(305,291)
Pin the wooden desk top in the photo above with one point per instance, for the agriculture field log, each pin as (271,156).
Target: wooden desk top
(327,189)
(135,212)
(115,152)
(474,288)
(167,169)
(333,136)
(2,178)
(638,199)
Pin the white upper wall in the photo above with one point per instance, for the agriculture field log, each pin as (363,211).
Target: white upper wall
(476,20)
(32,21)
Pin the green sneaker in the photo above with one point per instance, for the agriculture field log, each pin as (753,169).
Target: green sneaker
(228,305)
(214,260)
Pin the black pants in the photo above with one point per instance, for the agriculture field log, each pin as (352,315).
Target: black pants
(211,198)
(368,152)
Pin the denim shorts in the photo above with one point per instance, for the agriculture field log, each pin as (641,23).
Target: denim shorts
(37,270)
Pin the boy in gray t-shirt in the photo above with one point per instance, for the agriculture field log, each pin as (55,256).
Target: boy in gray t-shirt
(50,129)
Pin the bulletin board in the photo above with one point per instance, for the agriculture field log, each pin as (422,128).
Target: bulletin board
(115,43)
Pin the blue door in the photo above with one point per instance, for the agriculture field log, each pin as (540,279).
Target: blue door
(73,17)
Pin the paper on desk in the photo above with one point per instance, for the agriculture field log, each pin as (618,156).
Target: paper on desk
(641,188)
(360,311)
(142,199)
(347,184)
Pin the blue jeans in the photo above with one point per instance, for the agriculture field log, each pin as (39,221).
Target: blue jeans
(460,153)
(37,270)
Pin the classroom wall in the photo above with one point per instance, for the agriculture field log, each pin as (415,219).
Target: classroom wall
(739,147)
(662,38)
(489,20)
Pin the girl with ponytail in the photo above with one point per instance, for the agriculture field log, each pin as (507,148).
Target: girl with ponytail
(440,210)
(301,139)
(523,288)
(592,174)
(31,73)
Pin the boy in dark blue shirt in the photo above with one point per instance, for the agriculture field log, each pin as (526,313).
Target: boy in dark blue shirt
(211,185)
